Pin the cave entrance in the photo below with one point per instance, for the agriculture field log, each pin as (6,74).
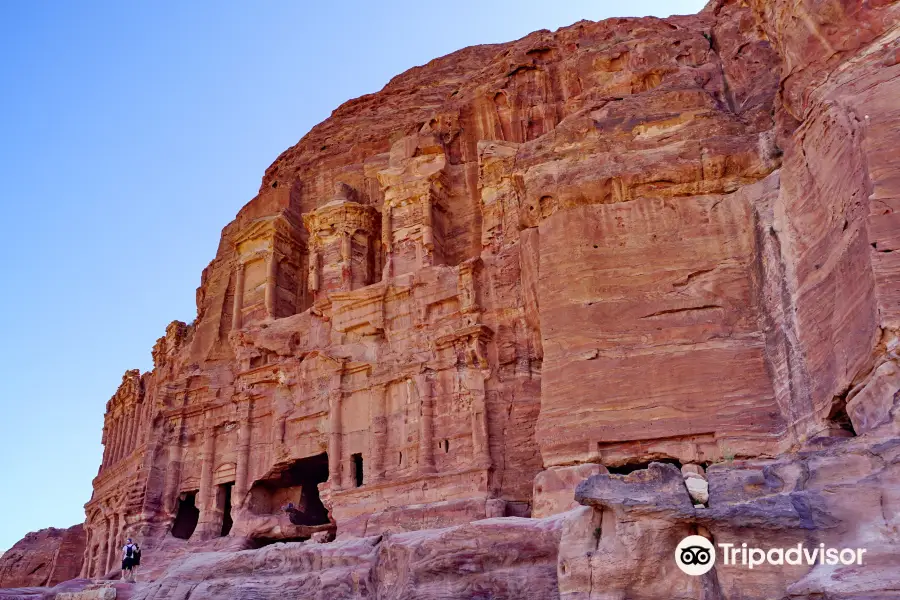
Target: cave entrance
(224,500)
(294,490)
(187,516)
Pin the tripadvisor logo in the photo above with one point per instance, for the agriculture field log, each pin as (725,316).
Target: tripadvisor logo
(695,555)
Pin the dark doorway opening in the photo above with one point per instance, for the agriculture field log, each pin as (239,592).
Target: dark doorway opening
(187,516)
(293,490)
(225,502)
(357,469)
(638,466)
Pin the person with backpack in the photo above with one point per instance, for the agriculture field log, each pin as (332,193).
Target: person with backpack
(128,560)
(137,561)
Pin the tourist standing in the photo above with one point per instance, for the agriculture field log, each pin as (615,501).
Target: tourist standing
(128,561)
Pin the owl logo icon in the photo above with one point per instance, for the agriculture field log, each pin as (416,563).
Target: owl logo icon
(695,555)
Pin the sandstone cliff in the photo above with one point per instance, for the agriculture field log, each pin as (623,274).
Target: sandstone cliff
(43,558)
(524,265)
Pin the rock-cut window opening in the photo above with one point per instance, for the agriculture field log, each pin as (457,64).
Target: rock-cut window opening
(357,469)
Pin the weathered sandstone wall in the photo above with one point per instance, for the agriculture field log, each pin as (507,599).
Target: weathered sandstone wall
(43,558)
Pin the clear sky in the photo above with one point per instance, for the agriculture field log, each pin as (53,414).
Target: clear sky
(130,134)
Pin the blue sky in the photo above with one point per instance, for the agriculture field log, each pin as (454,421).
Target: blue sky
(130,134)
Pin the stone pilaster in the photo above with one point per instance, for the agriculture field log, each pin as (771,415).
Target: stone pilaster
(120,538)
(466,287)
(387,239)
(102,550)
(130,418)
(123,425)
(111,542)
(335,472)
(241,483)
(377,433)
(206,522)
(313,271)
(238,307)
(88,543)
(271,281)
(427,242)
(173,470)
(346,265)
(106,445)
(426,425)
(480,433)
(117,446)
(113,439)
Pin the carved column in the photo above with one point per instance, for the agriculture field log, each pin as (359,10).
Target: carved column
(271,279)
(126,426)
(111,543)
(480,434)
(129,438)
(100,558)
(88,542)
(129,428)
(369,265)
(387,239)
(237,314)
(113,440)
(117,439)
(120,435)
(106,442)
(313,270)
(427,233)
(173,469)
(426,425)
(466,287)
(334,441)
(346,262)
(378,432)
(135,426)
(120,535)
(123,434)
(207,461)
(241,482)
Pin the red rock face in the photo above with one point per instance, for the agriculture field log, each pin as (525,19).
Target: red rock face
(526,264)
(43,558)
(608,244)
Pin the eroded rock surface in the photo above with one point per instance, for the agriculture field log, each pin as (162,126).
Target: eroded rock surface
(43,558)
(512,558)
(845,495)
(396,332)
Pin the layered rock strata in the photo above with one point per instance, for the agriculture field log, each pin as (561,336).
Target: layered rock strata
(622,241)
(43,558)
(396,332)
